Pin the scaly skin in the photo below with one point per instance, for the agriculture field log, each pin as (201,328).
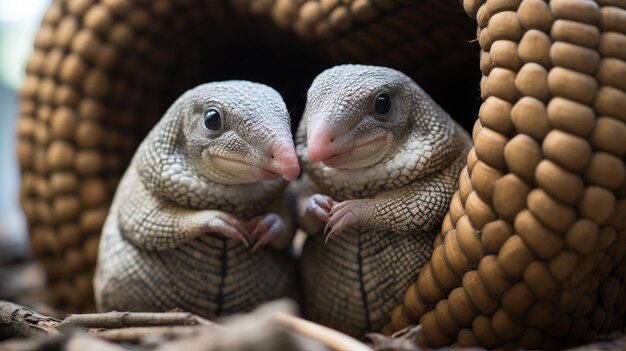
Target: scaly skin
(192,216)
(380,183)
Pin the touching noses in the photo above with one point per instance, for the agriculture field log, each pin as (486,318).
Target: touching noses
(320,145)
(285,161)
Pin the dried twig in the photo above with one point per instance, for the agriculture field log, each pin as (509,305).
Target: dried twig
(19,321)
(329,337)
(111,320)
(136,334)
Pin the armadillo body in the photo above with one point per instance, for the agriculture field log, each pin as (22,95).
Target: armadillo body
(353,282)
(209,276)
(394,205)
(202,188)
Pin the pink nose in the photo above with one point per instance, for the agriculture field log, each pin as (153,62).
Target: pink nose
(320,146)
(285,161)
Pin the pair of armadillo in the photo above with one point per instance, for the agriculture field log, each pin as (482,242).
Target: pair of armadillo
(202,221)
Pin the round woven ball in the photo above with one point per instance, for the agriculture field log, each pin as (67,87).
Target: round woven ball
(547,193)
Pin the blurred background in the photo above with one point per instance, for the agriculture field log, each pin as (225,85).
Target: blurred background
(21,280)
(19,21)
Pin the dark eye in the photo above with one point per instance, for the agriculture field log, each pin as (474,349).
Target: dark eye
(212,119)
(382,104)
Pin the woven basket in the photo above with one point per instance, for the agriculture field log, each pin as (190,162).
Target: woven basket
(531,252)
(103,72)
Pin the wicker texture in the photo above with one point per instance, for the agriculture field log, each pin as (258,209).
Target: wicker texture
(102,72)
(532,251)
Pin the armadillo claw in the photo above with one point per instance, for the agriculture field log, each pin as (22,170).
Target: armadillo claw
(268,227)
(342,216)
(319,206)
(229,227)
(339,206)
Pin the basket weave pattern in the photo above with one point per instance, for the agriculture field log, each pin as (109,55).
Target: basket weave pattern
(532,251)
(103,72)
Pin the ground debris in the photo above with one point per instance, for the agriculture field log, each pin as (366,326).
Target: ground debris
(20,321)
(138,335)
(402,340)
(272,326)
(615,341)
(110,320)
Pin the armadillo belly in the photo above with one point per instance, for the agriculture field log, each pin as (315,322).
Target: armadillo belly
(210,276)
(353,282)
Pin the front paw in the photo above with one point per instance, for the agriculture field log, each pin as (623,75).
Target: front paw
(225,224)
(264,229)
(319,207)
(343,215)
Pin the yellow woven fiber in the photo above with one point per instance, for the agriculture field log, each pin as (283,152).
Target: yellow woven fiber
(531,252)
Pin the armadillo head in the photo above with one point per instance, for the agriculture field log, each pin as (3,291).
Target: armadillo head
(357,115)
(236,132)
